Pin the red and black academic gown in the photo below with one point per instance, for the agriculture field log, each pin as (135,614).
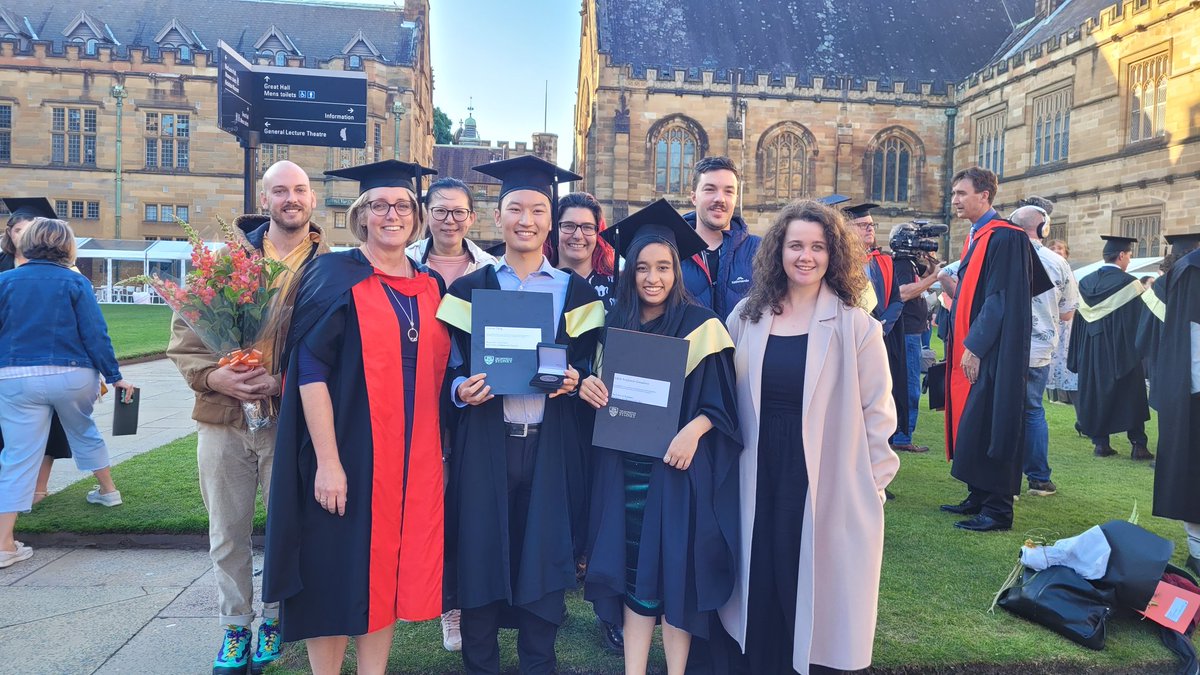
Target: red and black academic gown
(382,560)
(1178,462)
(479,564)
(888,308)
(992,317)
(687,552)
(1150,327)
(1112,382)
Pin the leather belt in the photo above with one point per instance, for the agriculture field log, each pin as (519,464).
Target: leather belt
(521,430)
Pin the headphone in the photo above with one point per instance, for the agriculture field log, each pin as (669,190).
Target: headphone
(1043,228)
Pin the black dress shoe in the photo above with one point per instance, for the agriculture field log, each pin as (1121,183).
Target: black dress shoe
(982,523)
(963,508)
(612,636)
(1141,452)
(1103,450)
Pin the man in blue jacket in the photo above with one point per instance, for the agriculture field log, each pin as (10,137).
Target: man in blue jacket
(719,276)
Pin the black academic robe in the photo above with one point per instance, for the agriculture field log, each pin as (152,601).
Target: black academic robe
(478,560)
(350,574)
(888,308)
(992,316)
(689,536)
(1149,331)
(1112,382)
(1178,463)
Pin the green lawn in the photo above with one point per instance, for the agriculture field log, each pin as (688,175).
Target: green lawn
(138,330)
(937,581)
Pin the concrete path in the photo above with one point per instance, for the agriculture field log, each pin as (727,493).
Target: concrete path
(164,414)
(115,611)
(88,611)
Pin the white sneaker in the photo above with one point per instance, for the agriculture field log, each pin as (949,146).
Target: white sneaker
(24,552)
(104,499)
(451,637)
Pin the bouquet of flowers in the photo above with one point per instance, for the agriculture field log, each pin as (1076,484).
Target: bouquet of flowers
(231,300)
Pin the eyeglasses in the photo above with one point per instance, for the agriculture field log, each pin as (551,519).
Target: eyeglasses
(460,215)
(568,228)
(403,207)
(865,226)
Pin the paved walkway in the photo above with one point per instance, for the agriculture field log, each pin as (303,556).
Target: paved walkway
(115,611)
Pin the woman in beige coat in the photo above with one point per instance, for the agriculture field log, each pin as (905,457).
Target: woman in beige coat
(817,457)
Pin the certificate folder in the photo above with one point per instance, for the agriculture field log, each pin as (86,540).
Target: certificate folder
(125,415)
(506,327)
(644,375)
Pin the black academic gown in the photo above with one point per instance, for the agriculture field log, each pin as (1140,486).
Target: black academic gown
(1149,331)
(888,309)
(1112,382)
(1178,463)
(689,536)
(320,565)
(988,438)
(478,560)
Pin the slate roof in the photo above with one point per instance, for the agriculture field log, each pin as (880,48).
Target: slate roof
(456,161)
(938,41)
(318,31)
(1068,17)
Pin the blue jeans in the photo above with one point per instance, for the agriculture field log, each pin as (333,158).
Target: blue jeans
(1037,432)
(26,405)
(912,354)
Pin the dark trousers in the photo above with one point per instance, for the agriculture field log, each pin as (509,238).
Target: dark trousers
(1136,435)
(480,625)
(481,650)
(996,506)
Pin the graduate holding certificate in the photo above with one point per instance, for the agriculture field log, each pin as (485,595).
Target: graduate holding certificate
(662,531)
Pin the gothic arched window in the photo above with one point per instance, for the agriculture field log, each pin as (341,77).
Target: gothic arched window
(891,164)
(674,155)
(281,58)
(784,159)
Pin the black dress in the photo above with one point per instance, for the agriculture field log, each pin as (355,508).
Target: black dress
(779,508)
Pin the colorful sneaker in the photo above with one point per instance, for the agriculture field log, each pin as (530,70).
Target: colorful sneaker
(104,498)
(451,635)
(234,655)
(268,647)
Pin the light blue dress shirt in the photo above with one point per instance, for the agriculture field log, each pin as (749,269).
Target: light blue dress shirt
(527,408)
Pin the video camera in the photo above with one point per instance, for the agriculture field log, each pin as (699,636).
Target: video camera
(915,241)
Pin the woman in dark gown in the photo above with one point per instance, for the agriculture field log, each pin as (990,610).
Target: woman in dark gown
(662,532)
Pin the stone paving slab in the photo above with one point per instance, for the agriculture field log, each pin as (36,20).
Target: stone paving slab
(41,558)
(128,567)
(167,645)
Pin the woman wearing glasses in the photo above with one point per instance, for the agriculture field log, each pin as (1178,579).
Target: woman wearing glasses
(354,536)
(445,248)
(576,245)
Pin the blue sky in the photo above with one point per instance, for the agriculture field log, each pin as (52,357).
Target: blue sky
(500,53)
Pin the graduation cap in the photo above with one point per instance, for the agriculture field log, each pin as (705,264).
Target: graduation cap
(1183,238)
(833,200)
(528,172)
(388,173)
(658,221)
(1114,244)
(29,207)
(859,211)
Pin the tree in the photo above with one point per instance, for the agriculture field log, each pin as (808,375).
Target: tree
(441,127)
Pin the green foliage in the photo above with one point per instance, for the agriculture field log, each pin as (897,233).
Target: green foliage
(441,128)
(138,330)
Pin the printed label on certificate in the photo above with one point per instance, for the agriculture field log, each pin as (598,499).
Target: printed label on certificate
(505,337)
(641,390)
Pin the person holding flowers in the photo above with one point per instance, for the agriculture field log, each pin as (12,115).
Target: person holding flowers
(355,524)
(54,341)
(233,460)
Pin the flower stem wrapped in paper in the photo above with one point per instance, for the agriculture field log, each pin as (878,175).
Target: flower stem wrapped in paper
(232,300)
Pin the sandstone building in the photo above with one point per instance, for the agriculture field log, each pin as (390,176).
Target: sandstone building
(884,101)
(82,84)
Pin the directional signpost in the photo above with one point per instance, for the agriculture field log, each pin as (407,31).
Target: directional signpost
(293,106)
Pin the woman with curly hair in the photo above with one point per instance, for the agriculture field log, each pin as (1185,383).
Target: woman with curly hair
(815,411)
(575,245)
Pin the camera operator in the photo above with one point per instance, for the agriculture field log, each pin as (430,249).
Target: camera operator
(916,271)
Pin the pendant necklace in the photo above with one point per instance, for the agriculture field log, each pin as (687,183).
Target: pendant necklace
(408,314)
